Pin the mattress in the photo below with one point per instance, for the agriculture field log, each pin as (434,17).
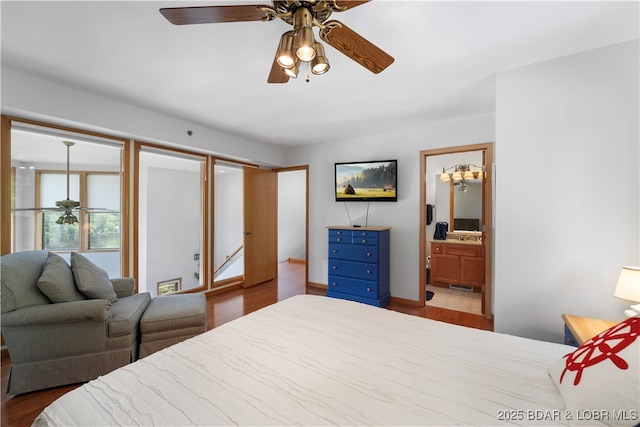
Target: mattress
(313,360)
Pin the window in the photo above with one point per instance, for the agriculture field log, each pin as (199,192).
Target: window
(98,226)
(103,190)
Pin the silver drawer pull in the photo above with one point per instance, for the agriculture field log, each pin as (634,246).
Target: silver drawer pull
(334,251)
(338,240)
(368,289)
(364,240)
(368,253)
(368,271)
(334,267)
(334,284)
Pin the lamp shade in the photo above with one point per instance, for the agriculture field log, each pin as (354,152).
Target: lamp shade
(628,287)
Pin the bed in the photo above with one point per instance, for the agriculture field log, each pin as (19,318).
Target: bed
(313,360)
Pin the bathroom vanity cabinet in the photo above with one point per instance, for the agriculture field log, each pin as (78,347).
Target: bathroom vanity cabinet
(457,262)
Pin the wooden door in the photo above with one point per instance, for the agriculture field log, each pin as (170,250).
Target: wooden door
(260,226)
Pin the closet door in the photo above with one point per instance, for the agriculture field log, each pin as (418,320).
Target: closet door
(260,226)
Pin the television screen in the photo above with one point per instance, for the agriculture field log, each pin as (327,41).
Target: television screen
(370,181)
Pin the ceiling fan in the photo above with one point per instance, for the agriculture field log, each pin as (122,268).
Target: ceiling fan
(297,45)
(66,206)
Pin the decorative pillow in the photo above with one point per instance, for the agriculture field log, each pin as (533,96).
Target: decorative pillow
(56,281)
(90,279)
(600,381)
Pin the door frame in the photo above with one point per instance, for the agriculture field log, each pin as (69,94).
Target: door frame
(487,213)
(304,168)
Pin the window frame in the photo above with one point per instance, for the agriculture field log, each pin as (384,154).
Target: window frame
(83,215)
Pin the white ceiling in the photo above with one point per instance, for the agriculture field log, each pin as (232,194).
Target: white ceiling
(446,56)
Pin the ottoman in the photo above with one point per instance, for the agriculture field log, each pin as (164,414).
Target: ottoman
(171,319)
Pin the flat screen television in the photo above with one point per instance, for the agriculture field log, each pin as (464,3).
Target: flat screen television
(369,181)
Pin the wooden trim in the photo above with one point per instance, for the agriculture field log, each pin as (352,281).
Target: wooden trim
(398,300)
(317,285)
(451,205)
(205,257)
(66,129)
(125,209)
(5,186)
(297,261)
(224,288)
(135,213)
(487,199)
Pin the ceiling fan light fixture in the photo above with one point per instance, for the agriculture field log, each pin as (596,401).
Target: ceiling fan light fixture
(304,44)
(67,218)
(293,71)
(319,64)
(285,56)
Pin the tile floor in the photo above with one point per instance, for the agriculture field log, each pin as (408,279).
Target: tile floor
(455,299)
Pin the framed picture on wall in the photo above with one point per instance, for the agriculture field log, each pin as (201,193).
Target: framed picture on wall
(169,286)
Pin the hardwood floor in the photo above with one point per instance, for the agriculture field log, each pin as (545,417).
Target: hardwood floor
(18,411)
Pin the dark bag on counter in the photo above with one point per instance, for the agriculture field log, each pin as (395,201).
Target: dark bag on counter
(441,231)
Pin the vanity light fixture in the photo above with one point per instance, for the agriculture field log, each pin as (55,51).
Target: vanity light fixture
(628,288)
(462,174)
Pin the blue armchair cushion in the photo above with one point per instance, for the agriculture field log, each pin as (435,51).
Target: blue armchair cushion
(56,281)
(91,280)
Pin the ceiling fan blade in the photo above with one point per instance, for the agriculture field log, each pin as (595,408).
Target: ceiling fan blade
(355,46)
(276,75)
(214,14)
(101,210)
(36,209)
(349,4)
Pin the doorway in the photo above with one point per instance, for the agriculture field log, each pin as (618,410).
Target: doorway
(286,195)
(293,218)
(440,209)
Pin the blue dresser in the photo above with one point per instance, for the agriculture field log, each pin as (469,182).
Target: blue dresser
(359,264)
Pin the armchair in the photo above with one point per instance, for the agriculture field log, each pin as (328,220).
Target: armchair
(75,339)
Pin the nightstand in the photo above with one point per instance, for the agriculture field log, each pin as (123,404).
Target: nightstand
(578,330)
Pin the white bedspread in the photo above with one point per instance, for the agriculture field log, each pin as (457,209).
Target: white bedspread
(312,360)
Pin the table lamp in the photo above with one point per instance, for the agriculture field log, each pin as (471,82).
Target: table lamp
(628,288)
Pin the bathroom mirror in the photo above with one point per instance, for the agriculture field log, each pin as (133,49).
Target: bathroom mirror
(467,206)
(457,203)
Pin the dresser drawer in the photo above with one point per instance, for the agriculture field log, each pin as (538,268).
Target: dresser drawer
(365,240)
(353,286)
(358,270)
(353,252)
(341,237)
(364,233)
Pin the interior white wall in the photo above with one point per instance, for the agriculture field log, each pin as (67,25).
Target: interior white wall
(404,216)
(566,226)
(30,97)
(292,201)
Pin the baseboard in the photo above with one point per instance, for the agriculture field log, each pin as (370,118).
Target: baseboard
(4,352)
(297,261)
(317,285)
(222,289)
(405,301)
